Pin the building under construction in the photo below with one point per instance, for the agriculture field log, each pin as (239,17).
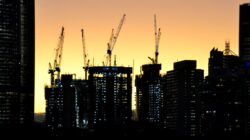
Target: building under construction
(224,99)
(60,100)
(149,98)
(102,99)
(110,89)
(149,95)
(67,103)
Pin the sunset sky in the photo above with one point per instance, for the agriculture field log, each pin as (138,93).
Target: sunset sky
(190,29)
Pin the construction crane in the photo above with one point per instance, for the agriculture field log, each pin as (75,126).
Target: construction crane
(113,39)
(56,67)
(157,33)
(85,55)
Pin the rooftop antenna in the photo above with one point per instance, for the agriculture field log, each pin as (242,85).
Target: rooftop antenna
(227,50)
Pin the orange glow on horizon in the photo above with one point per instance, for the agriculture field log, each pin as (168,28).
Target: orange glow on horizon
(190,29)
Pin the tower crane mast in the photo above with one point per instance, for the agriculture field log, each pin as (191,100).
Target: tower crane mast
(113,39)
(85,55)
(157,34)
(56,67)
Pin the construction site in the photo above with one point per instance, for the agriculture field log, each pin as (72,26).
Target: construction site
(180,103)
(149,97)
(102,98)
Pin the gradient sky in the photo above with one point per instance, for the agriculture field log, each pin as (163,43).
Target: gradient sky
(190,29)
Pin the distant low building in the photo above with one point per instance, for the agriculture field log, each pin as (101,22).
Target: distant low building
(39,117)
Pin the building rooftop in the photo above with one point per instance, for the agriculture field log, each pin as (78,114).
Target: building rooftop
(185,64)
(119,69)
(245,4)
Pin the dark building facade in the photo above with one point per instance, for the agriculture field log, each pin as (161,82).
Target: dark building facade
(246,90)
(149,96)
(223,106)
(110,95)
(244,54)
(70,114)
(82,98)
(66,103)
(182,98)
(54,107)
(244,34)
(17,49)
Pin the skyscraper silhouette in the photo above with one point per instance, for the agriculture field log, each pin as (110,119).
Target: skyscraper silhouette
(17,51)
(223,99)
(82,102)
(110,96)
(244,54)
(54,107)
(244,38)
(149,97)
(67,104)
(182,98)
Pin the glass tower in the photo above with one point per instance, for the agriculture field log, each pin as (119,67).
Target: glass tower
(17,51)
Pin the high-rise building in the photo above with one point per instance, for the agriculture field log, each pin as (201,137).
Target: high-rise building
(54,107)
(223,108)
(244,54)
(110,95)
(246,90)
(70,114)
(244,34)
(82,98)
(17,49)
(149,98)
(182,98)
(63,103)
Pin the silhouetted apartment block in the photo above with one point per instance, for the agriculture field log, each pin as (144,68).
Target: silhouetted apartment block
(17,49)
(182,98)
(110,94)
(244,34)
(82,98)
(149,96)
(244,54)
(223,105)
(67,103)
(54,107)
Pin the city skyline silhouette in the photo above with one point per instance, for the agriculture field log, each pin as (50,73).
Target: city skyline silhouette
(186,33)
(125,68)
